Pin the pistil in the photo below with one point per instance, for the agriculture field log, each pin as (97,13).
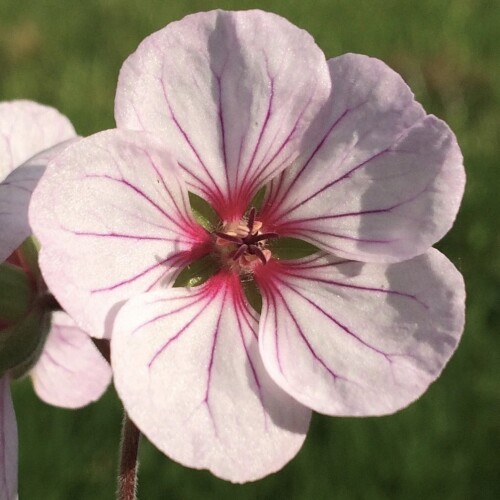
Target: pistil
(248,240)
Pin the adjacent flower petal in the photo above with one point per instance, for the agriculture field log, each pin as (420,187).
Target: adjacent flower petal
(382,182)
(232,94)
(113,218)
(71,372)
(187,367)
(15,196)
(347,338)
(27,128)
(8,443)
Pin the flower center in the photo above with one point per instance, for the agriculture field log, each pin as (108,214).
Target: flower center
(242,245)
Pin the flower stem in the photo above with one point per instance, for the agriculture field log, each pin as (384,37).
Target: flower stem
(129,447)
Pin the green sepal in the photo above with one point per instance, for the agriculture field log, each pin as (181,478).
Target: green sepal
(203,213)
(258,199)
(30,248)
(21,344)
(291,248)
(253,295)
(16,293)
(197,272)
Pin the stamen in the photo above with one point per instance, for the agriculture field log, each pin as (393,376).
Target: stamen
(240,252)
(250,243)
(229,237)
(255,250)
(251,219)
(255,239)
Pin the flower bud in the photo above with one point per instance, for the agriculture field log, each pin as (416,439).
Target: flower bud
(24,313)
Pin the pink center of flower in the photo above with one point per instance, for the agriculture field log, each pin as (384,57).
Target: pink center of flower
(242,245)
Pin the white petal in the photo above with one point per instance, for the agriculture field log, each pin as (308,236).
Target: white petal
(71,372)
(232,93)
(347,338)
(26,128)
(187,368)
(113,219)
(15,196)
(382,182)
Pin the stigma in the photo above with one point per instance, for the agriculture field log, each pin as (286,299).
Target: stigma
(242,245)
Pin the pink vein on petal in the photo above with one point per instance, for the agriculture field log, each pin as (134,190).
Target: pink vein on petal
(165,315)
(273,288)
(181,213)
(203,293)
(176,259)
(373,289)
(125,236)
(223,133)
(242,310)
(215,335)
(214,196)
(145,196)
(388,150)
(273,202)
(295,225)
(288,271)
(262,180)
(259,140)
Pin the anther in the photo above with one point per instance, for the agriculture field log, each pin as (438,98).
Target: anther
(255,250)
(241,250)
(248,240)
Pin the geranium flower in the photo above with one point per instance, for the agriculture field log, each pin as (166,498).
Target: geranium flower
(224,104)
(26,129)
(69,372)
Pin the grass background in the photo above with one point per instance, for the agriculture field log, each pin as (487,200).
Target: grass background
(446,445)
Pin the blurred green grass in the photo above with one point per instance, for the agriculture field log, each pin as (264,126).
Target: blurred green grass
(446,445)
